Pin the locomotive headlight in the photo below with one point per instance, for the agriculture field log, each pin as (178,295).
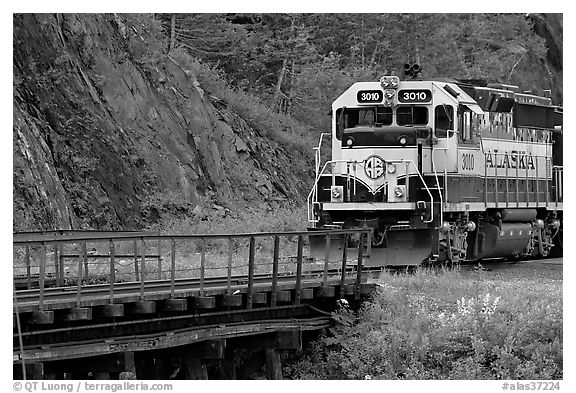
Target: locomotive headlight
(555,224)
(350,142)
(336,194)
(399,192)
(389,93)
(394,82)
(470,226)
(391,168)
(384,81)
(388,103)
(403,140)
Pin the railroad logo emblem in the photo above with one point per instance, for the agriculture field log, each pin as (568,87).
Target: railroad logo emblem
(374,167)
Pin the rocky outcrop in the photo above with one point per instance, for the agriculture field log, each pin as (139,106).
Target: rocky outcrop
(103,121)
(550,27)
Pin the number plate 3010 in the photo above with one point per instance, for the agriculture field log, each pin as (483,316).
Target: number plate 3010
(369,96)
(407,96)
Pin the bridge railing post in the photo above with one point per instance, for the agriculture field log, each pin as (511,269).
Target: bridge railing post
(275,258)
(229,270)
(27,260)
(159,259)
(359,266)
(85,260)
(112,270)
(172,267)
(142,268)
(57,266)
(298,289)
(202,264)
(136,275)
(326,262)
(344,256)
(81,256)
(250,272)
(42,276)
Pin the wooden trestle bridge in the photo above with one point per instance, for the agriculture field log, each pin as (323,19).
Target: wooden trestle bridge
(98,304)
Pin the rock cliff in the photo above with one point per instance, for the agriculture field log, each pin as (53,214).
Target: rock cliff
(104,121)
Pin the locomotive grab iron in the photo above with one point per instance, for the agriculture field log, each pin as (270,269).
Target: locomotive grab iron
(442,170)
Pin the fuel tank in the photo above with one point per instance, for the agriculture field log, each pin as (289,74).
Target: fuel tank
(508,240)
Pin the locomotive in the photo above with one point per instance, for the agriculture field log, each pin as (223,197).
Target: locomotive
(441,170)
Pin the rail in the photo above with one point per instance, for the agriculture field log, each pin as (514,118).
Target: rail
(205,256)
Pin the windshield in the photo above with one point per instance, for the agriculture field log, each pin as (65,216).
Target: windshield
(411,115)
(377,116)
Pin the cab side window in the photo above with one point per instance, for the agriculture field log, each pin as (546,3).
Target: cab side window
(443,120)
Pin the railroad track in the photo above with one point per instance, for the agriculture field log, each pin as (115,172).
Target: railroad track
(551,263)
(99,294)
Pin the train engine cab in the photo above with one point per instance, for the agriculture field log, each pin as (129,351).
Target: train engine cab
(421,163)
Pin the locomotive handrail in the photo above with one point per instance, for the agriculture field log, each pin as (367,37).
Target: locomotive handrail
(516,177)
(445,149)
(313,194)
(317,155)
(558,181)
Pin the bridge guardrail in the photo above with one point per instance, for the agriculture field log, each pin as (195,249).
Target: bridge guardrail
(126,256)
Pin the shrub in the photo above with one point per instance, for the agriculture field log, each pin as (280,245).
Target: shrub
(281,128)
(445,326)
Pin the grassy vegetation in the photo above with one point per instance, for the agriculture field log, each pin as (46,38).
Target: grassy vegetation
(447,325)
(283,129)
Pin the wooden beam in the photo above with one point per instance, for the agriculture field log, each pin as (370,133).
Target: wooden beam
(40,318)
(288,339)
(284,296)
(142,307)
(307,293)
(251,365)
(348,289)
(194,369)
(212,349)
(205,302)
(113,363)
(172,305)
(34,371)
(163,341)
(129,363)
(231,300)
(260,298)
(329,291)
(227,367)
(76,314)
(273,364)
(108,311)
(367,289)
